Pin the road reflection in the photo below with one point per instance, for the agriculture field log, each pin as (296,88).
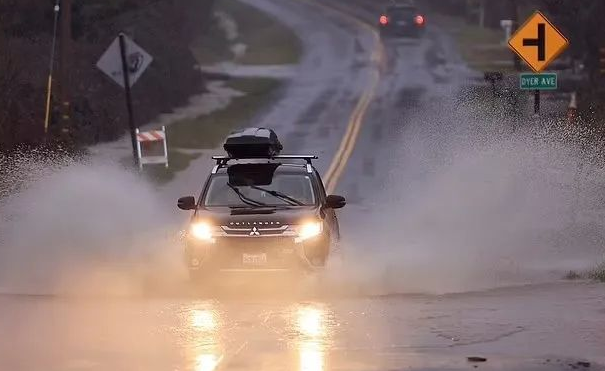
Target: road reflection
(206,350)
(207,362)
(312,327)
(204,319)
(219,336)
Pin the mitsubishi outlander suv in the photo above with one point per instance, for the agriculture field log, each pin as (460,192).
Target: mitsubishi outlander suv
(260,212)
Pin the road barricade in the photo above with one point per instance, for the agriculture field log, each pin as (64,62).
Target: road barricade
(152,148)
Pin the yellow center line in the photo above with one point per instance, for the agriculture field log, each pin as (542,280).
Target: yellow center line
(343,144)
(355,122)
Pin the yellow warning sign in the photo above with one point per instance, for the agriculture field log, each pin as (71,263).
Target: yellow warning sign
(538,42)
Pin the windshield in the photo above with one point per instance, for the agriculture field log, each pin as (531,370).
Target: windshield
(295,186)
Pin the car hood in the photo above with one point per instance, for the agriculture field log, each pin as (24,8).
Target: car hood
(269,215)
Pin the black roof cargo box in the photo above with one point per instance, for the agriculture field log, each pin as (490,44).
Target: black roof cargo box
(253,143)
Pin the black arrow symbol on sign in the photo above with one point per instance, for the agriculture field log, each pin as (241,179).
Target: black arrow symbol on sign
(540,42)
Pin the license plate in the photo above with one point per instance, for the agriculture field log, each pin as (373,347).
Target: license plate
(402,23)
(254,259)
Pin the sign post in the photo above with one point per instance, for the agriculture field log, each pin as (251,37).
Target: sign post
(538,42)
(126,75)
(124,62)
(493,77)
(538,82)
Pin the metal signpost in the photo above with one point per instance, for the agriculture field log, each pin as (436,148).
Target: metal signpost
(538,42)
(538,82)
(493,77)
(124,62)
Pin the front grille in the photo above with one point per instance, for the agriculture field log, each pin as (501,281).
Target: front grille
(254,230)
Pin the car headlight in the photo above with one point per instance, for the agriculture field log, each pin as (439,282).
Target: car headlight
(309,230)
(202,231)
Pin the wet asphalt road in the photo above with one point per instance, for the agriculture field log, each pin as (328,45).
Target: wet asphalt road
(336,324)
(521,328)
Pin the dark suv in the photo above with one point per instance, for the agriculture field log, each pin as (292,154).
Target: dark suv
(401,20)
(260,212)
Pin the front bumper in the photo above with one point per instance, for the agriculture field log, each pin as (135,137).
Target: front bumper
(257,254)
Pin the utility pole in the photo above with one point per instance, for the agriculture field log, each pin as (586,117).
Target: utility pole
(65,71)
(49,89)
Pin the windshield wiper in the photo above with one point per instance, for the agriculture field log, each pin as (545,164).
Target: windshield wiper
(246,200)
(291,200)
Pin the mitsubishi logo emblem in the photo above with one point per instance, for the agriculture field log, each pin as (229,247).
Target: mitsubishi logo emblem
(254,232)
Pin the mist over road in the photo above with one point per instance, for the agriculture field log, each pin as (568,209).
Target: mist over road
(456,237)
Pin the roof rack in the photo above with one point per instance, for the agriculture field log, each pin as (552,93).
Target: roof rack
(223,160)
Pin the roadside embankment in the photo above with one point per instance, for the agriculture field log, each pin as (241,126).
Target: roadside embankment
(247,56)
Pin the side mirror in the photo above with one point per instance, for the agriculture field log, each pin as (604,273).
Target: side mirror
(186,203)
(335,202)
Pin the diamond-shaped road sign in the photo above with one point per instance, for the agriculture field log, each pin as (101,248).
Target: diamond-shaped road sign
(538,42)
(137,60)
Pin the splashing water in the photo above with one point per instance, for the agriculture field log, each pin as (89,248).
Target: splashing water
(471,205)
(82,228)
(468,205)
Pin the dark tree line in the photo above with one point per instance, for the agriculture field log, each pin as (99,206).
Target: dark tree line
(584,25)
(164,27)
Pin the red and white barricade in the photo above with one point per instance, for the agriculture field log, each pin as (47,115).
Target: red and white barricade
(152,147)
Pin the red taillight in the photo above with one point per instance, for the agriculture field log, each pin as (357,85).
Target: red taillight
(419,20)
(384,20)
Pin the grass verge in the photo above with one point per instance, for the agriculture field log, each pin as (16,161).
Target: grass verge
(481,48)
(267,40)
(187,138)
(598,273)
(212,47)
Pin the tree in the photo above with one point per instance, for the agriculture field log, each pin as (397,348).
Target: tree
(583,26)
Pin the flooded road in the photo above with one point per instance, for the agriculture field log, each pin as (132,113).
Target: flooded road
(519,328)
(454,246)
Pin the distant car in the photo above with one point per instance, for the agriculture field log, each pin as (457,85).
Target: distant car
(401,20)
(260,212)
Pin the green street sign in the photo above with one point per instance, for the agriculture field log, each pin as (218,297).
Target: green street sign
(538,81)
